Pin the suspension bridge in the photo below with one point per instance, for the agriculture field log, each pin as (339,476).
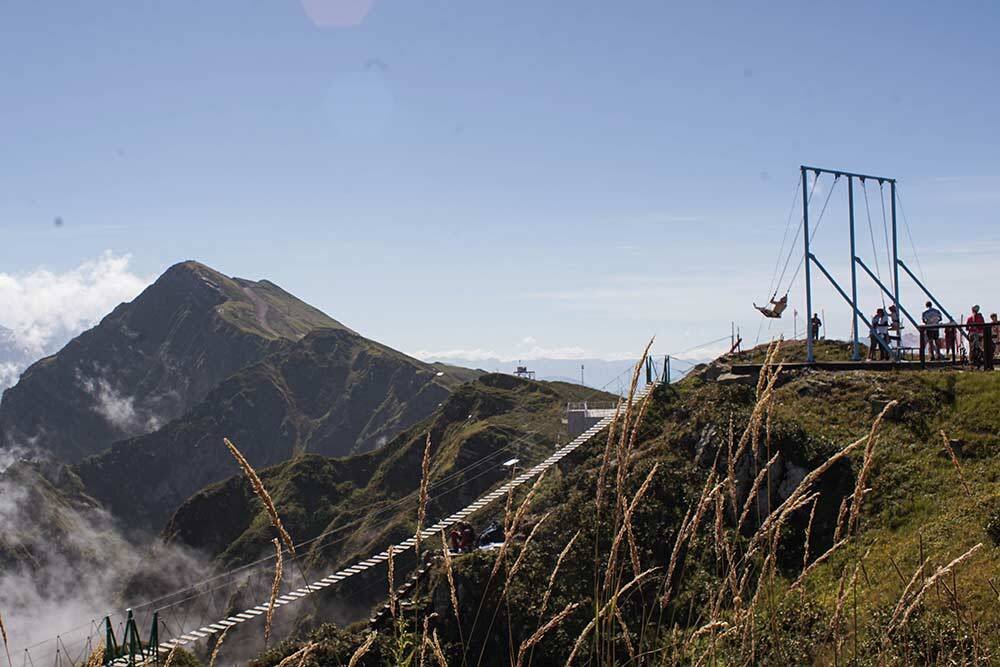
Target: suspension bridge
(240,597)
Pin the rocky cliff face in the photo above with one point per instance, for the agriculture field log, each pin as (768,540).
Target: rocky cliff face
(151,360)
(333,393)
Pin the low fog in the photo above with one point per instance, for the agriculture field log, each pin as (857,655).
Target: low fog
(65,562)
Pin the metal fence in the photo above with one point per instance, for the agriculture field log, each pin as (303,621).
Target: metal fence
(974,344)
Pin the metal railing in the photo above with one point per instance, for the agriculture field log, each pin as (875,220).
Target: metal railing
(950,340)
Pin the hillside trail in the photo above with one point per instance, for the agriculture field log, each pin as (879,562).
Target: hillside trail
(261,308)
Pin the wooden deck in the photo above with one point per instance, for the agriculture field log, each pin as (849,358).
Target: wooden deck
(745,369)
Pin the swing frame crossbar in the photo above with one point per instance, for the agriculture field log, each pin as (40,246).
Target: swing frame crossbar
(851,298)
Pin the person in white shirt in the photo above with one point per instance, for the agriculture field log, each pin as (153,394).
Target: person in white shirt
(879,335)
(932,337)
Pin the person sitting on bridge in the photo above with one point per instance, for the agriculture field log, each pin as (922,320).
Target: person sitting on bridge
(878,336)
(932,340)
(468,542)
(975,328)
(776,309)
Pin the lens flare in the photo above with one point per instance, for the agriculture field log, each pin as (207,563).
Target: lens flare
(337,13)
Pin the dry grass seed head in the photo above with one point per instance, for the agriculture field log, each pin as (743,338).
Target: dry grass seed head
(602,475)
(794,499)
(809,529)
(624,530)
(392,582)
(299,657)
(515,523)
(6,647)
(436,647)
(362,650)
(451,576)
(859,487)
(621,453)
(612,601)
(838,610)
(425,467)
(954,461)
(261,492)
(941,571)
(275,588)
(555,572)
(751,498)
(524,548)
(423,639)
(170,655)
(95,659)
(626,633)
(534,639)
(218,647)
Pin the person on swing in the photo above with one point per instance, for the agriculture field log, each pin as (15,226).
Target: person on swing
(776,309)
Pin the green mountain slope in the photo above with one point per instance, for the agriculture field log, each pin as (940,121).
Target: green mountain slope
(150,360)
(363,502)
(332,393)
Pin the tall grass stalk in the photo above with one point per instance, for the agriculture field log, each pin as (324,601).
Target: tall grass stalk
(261,492)
(275,589)
(6,647)
(425,469)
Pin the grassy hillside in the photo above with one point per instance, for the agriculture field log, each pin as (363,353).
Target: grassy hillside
(721,591)
(367,500)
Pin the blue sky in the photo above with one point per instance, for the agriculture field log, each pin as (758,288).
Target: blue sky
(565,178)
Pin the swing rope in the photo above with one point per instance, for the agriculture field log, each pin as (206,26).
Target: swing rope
(885,231)
(871,235)
(815,229)
(791,247)
(906,226)
(784,238)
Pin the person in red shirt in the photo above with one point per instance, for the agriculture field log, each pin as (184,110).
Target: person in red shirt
(975,327)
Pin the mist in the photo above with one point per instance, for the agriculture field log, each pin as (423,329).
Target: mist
(65,562)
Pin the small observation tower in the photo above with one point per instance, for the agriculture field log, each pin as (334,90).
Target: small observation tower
(523,372)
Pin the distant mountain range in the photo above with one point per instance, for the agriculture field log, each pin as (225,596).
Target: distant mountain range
(611,375)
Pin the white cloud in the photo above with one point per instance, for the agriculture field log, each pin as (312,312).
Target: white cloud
(118,409)
(527,349)
(463,354)
(44,309)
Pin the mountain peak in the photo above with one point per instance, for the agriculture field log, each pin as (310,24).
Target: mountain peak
(151,359)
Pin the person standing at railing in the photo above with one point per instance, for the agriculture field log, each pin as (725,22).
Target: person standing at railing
(951,341)
(975,328)
(932,339)
(995,333)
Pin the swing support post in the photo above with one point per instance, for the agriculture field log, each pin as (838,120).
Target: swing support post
(856,349)
(805,236)
(895,253)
